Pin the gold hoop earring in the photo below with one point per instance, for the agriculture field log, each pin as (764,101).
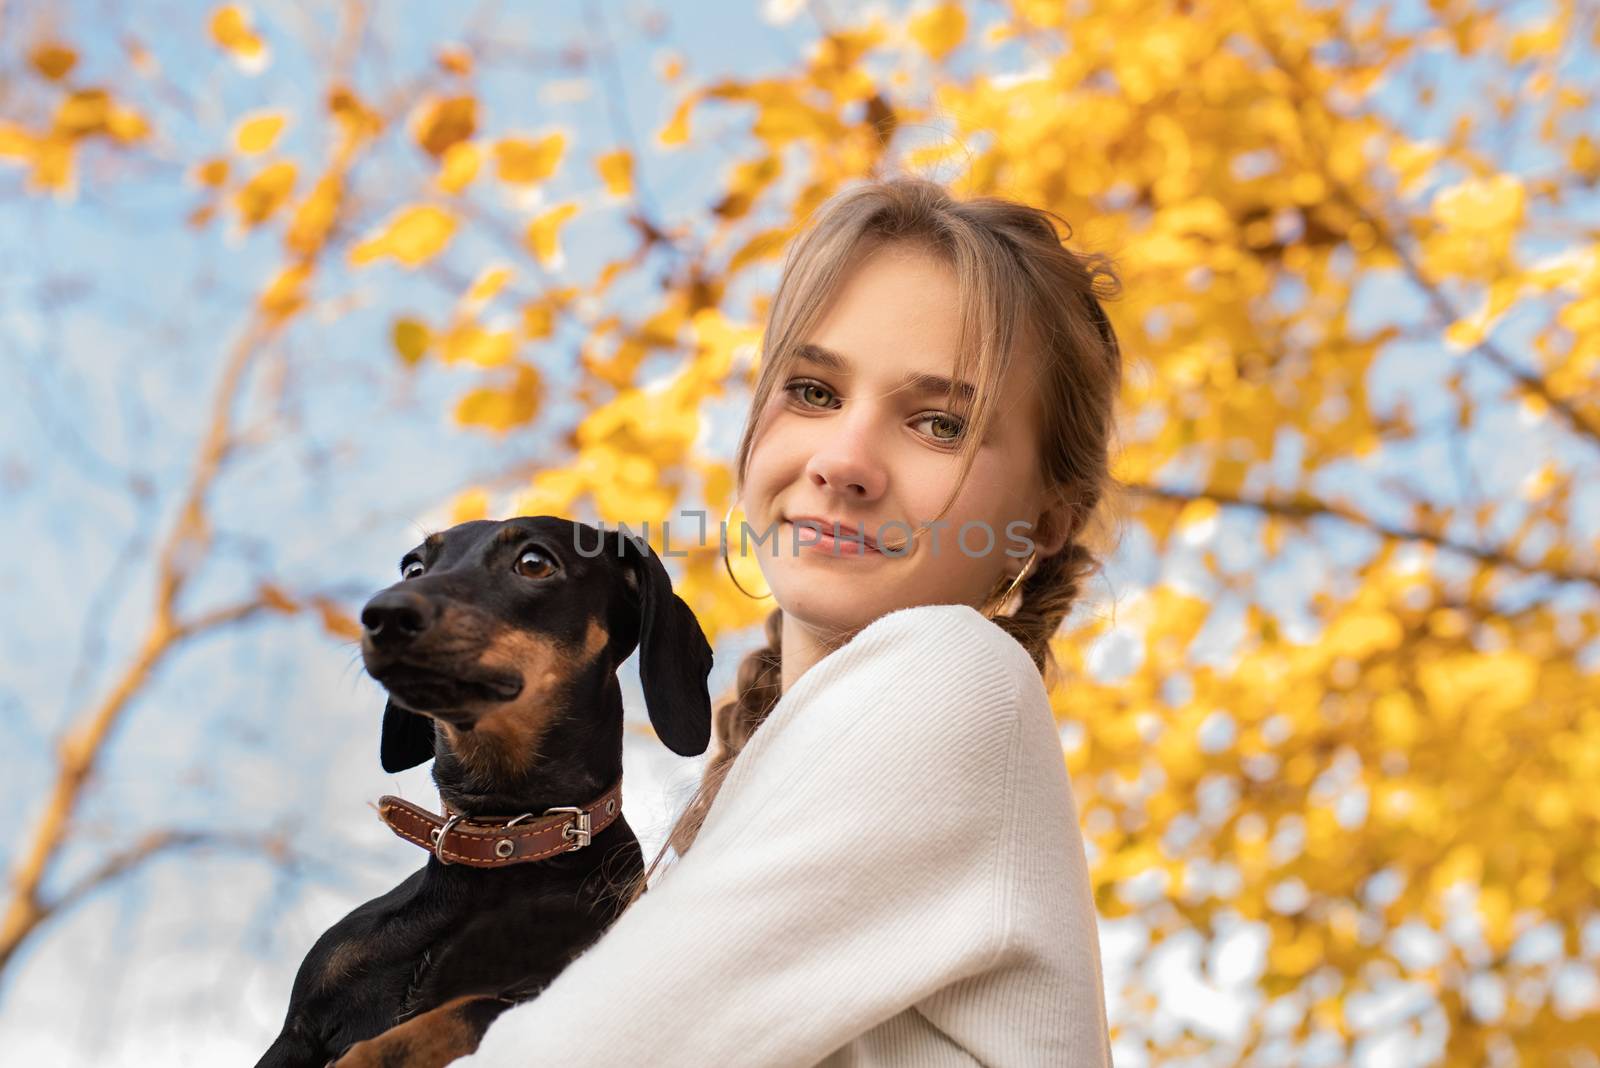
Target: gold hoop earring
(1013,587)
(728,566)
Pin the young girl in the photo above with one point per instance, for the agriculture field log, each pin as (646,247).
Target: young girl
(886,865)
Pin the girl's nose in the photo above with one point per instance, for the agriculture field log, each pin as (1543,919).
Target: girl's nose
(849,463)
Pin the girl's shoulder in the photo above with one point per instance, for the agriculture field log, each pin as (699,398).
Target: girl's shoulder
(924,660)
(948,639)
(920,702)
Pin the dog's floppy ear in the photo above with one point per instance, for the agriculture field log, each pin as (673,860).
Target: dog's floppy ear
(407,738)
(674,656)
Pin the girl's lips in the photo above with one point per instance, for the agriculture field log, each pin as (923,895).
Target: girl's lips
(809,538)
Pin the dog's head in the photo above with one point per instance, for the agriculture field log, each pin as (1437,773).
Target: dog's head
(491,621)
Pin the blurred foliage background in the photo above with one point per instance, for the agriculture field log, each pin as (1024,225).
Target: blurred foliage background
(285,284)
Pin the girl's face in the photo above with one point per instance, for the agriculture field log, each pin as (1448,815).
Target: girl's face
(858,433)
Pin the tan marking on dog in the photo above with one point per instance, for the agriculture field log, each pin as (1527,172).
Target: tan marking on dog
(342,963)
(594,641)
(429,1039)
(505,738)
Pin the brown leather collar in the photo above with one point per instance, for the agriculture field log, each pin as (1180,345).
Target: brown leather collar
(484,842)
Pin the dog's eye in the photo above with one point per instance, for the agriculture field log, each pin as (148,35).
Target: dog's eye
(535,563)
(411,569)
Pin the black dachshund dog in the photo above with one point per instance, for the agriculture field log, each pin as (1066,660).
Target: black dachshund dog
(498,648)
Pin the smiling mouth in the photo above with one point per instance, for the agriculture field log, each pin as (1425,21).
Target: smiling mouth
(848,543)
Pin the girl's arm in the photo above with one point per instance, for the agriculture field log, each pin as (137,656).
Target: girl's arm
(854,863)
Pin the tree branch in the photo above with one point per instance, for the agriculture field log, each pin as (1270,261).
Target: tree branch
(1303,507)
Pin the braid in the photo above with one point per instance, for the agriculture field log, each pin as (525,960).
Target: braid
(1048,594)
(756,690)
(1050,591)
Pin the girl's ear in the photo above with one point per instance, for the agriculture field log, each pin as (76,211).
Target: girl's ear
(1057,523)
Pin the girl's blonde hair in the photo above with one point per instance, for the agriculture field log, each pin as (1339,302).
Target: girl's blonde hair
(1021,288)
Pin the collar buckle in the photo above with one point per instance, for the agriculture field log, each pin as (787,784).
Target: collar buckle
(579,829)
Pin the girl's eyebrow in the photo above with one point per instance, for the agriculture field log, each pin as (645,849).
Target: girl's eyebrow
(921,383)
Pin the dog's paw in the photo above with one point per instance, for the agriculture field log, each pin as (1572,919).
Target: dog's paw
(386,1051)
(428,1040)
(366,1054)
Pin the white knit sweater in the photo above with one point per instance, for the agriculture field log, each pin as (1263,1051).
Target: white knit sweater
(892,874)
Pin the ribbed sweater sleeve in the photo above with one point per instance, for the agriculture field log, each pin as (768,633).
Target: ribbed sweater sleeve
(855,862)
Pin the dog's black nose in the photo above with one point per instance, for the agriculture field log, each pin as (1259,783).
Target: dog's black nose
(394,618)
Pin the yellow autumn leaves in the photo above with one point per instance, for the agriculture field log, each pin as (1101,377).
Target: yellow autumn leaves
(80,115)
(1478,220)
(939,30)
(502,408)
(444,129)
(521,161)
(259,199)
(616,170)
(412,236)
(257,133)
(233,29)
(443,124)
(416,234)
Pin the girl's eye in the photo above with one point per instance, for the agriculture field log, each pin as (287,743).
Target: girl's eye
(808,392)
(535,563)
(816,395)
(947,428)
(411,569)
